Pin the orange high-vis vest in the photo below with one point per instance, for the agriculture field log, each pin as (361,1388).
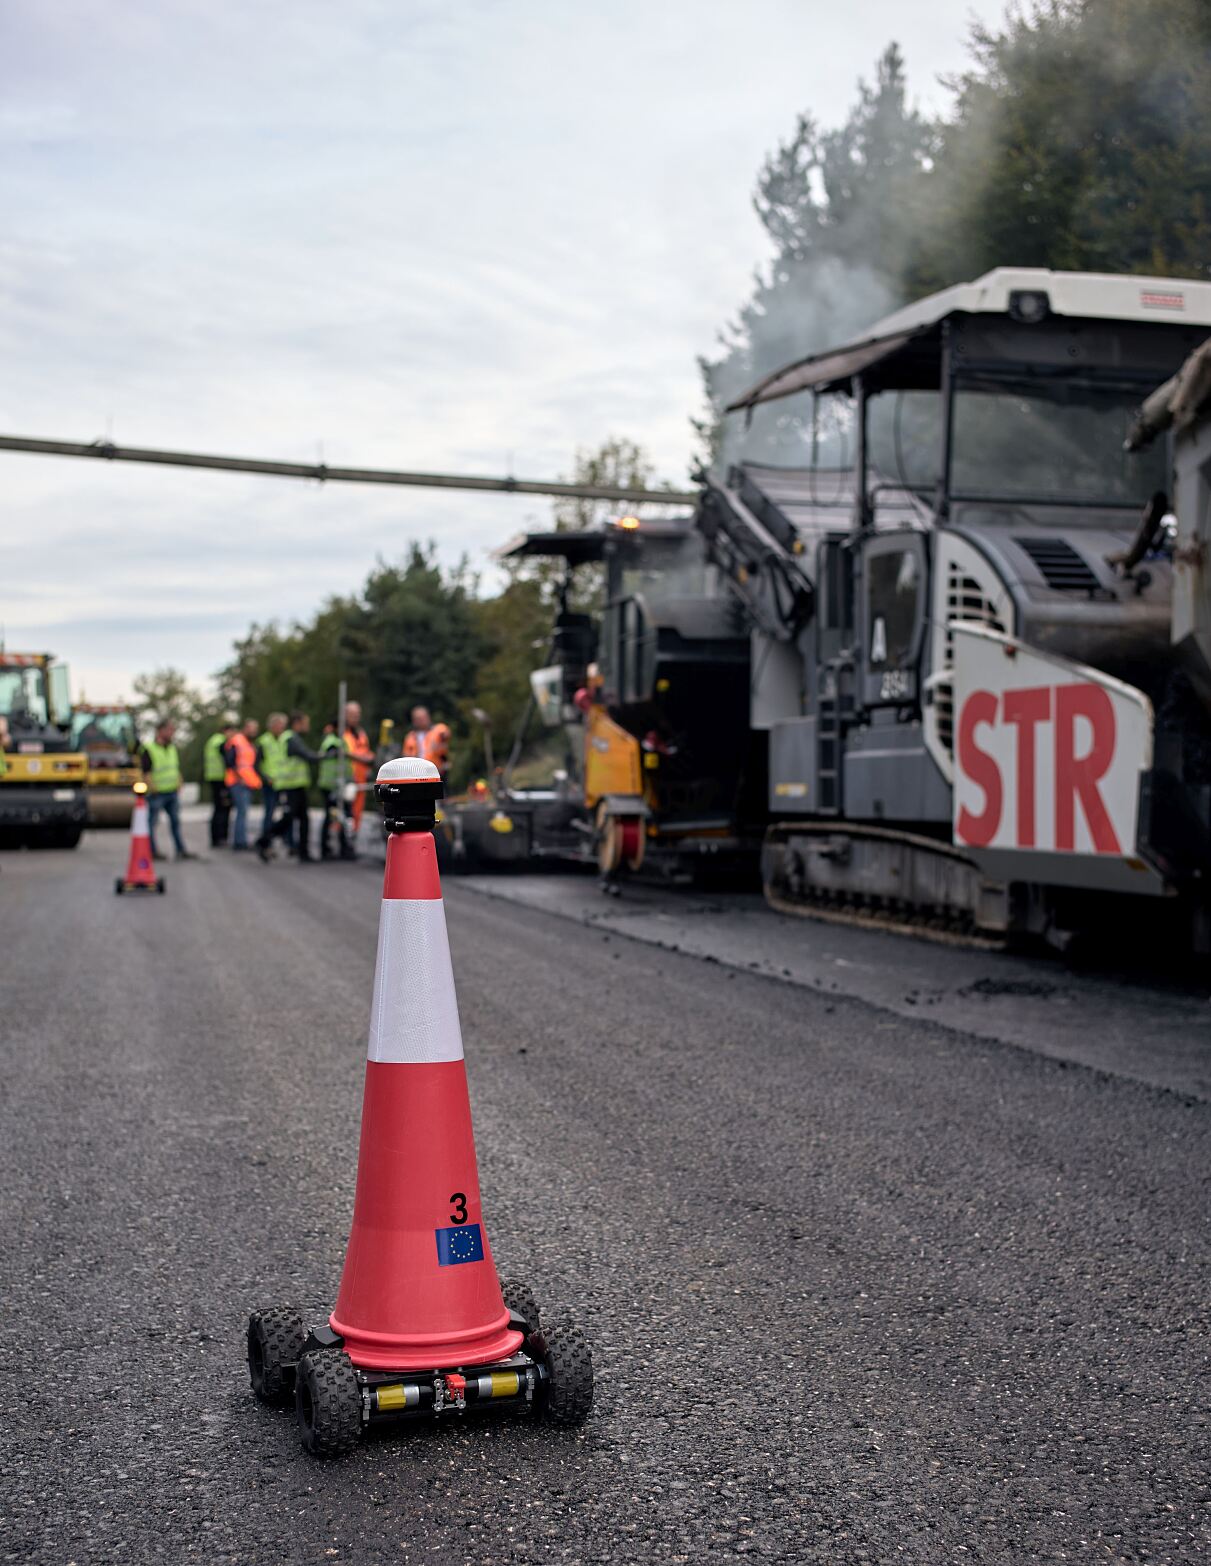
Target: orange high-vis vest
(244,770)
(430,745)
(357,743)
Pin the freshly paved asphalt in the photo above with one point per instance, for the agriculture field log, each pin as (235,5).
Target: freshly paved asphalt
(861,1286)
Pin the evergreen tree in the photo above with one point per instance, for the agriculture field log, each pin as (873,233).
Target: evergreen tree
(840,209)
(413,633)
(1080,140)
(419,634)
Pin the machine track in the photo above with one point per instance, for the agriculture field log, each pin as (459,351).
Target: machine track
(883,879)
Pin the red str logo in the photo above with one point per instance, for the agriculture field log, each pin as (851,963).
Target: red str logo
(1040,718)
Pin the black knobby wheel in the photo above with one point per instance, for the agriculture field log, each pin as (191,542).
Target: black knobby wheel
(275,1341)
(519,1299)
(328,1403)
(160,887)
(119,886)
(569,1362)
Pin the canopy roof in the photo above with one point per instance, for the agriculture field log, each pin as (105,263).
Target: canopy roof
(906,346)
(589,544)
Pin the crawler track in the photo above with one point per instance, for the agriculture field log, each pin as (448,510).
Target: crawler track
(876,878)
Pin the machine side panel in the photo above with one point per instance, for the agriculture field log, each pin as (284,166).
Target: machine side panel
(792,767)
(890,776)
(776,687)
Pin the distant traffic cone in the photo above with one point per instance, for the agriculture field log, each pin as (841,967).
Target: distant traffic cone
(140,872)
(419,1289)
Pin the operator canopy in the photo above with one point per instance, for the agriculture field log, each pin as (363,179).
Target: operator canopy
(904,351)
(586,545)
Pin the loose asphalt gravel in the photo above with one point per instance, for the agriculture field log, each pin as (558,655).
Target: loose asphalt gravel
(860,1286)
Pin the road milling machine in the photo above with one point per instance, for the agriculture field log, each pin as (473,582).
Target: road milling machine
(648,696)
(980,661)
(106,735)
(42,776)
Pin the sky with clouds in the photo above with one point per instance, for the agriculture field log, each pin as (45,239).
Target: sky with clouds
(394,233)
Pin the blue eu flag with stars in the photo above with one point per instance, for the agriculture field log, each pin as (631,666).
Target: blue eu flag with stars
(465,1243)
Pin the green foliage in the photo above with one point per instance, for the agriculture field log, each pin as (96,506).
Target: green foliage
(163,694)
(415,634)
(276,670)
(1080,139)
(839,207)
(617,462)
(412,636)
(167,693)
(515,627)
(849,193)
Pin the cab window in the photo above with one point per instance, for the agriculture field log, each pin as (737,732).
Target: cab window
(893,589)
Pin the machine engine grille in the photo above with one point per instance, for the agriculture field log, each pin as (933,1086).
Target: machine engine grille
(1061,566)
(965,600)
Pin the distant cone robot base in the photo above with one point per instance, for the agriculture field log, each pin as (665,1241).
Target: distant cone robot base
(140,870)
(422,1325)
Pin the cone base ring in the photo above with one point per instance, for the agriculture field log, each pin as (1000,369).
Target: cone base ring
(390,1351)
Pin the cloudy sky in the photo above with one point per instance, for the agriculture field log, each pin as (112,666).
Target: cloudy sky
(388,232)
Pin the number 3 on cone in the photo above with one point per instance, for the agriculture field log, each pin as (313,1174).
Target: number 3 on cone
(459,1203)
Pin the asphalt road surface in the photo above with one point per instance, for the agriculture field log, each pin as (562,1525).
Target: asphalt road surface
(862,1285)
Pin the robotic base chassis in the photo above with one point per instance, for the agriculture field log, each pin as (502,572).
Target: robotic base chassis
(551,1376)
(131,888)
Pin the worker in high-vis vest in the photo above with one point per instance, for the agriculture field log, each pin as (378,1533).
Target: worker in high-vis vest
(242,779)
(428,740)
(214,775)
(271,752)
(294,785)
(361,759)
(161,763)
(328,781)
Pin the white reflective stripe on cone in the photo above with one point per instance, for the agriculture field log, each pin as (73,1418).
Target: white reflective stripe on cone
(138,822)
(414,1017)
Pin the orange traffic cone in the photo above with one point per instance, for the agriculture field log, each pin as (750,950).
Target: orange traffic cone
(140,872)
(419,1288)
(421,1320)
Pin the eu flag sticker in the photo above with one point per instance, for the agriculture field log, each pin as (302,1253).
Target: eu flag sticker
(462,1244)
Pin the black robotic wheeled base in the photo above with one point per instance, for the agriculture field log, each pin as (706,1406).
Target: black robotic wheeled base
(130,888)
(551,1376)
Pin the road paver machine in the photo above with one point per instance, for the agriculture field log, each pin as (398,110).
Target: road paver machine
(983,714)
(648,693)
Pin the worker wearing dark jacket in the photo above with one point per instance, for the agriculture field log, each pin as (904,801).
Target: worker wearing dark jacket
(328,780)
(214,773)
(294,763)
